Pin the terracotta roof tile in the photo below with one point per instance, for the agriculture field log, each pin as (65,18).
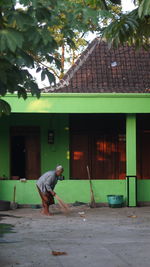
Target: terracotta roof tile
(104,70)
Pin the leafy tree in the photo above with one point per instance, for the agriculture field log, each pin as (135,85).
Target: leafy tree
(27,40)
(66,54)
(131,27)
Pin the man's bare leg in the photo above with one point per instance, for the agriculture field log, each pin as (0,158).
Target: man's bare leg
(46,211)
(45,204)
(46,208)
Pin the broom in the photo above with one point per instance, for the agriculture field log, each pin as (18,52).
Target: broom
(62,204)
(14,204)
(93,203)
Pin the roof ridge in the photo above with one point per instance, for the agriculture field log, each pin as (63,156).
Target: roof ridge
(75,67)
(79,62)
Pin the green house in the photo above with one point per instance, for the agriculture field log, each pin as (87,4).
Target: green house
(97,116)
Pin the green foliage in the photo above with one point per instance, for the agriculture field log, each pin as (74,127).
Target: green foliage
(4,108)
(28,39)
(132,27)
(10,39)
(144,9)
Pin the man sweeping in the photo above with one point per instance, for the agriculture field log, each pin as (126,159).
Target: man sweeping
(46,184)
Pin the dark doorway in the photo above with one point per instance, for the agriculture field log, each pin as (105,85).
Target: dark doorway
(18,158)
(25,152)
(99,142)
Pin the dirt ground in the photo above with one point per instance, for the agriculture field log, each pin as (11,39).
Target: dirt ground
(90,237)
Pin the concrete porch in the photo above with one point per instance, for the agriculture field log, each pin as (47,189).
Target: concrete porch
(103,237)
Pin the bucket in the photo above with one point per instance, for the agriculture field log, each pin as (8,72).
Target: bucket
(115,201)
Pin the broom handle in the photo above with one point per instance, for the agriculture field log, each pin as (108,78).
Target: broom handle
(88,171)
(89,176)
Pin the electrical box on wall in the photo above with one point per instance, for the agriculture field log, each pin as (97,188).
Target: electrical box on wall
(50,137)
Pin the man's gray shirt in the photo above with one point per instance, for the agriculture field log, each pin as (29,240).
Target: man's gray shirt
(47,181)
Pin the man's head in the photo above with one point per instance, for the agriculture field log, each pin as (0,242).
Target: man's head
(59,170)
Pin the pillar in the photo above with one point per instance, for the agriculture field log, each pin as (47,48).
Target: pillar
(131,179)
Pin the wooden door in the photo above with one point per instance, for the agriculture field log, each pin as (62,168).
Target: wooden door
(108,156)
(25,152)
(79,155)
(32,156)
(98,140)
(17,157)
(105,155)
(143,155)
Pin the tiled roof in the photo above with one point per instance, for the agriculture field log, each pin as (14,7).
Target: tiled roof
(101,69)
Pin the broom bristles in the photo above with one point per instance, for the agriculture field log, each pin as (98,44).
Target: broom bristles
(62,204)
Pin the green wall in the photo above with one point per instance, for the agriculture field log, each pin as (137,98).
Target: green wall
(73,190)
(69,190)
(143,190)
(51,155)
(81,103)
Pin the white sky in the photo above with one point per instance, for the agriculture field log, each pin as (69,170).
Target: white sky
(127,5)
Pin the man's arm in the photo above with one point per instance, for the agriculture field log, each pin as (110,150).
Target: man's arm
(48,184)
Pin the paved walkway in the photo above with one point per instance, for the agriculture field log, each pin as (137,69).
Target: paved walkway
(91,237)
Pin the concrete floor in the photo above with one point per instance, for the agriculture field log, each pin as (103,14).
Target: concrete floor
(100,237)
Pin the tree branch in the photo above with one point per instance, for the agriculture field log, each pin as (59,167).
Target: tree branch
(37,59)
